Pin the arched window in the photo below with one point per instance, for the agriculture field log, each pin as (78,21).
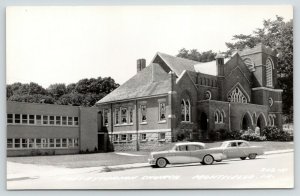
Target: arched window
(221,119)
(182,110)
(185,110)
(269,73)
(237,96)
(216,117)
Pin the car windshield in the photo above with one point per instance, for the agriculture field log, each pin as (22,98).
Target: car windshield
(224,144)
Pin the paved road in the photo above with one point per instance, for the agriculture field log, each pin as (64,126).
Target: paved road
(272,171)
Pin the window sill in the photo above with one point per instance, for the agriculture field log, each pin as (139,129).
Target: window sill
(162,140)
(120,125)
(187,122)
(143,141)
(162,122)
(143,123)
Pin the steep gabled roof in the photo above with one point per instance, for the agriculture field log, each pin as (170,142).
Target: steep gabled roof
(151,81)
(176,64)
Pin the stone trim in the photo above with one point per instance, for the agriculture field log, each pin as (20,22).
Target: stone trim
(141,131)
(267,89)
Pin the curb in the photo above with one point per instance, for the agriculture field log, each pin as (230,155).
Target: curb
(279,151)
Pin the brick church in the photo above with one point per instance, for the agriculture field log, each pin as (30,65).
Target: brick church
(173,95)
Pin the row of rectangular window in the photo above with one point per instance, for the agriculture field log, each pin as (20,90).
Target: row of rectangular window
(128,137)
(39,143)
(31,119)
(124,115)
(208,82)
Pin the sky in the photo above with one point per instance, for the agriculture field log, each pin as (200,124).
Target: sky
(49,45)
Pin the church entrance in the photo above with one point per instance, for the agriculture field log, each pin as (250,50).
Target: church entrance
(260,122)
(203,125)
(246,122)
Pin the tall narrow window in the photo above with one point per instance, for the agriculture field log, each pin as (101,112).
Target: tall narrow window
(17,142)
(51,120)
(45,120)
(31,143)
(9,143)
(187,110)
(70,121)
(130,115)
(38,119)
(182,110)
(58,120)
(105,117)
(75,121)
(117,111)
(57,142)
(162,111)
(17,118)
(24,143)
(51,143)
(31,119)
(269,73)
(24,119)
(9,118)
(144,113)
(124,115)
(64,120)
(44,142)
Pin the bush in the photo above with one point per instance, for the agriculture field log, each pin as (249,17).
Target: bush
(276,134)
(213,135)
(235,134)
(252,137)
(224,134)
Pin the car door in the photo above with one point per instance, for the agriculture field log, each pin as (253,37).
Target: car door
(244,149)
(196,153)
(179,155)
(232,150)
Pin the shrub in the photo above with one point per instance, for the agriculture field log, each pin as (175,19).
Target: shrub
(223,134)
(213,135)
(235,134)
(252,137)
(276,134)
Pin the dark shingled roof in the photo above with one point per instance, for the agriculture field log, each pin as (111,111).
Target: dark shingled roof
(177,64)
(152,80)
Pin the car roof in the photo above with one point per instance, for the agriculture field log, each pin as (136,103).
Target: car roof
(190,143)
(235,141)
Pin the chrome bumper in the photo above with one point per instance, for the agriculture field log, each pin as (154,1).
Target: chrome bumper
(152,161)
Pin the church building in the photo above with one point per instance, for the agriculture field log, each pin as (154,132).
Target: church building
(173,96)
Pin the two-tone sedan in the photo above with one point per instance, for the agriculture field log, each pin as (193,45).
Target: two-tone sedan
(239,149)
(183,153)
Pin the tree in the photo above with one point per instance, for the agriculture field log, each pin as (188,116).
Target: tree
(85,92)
(276,34)
(194,55)
(57,90)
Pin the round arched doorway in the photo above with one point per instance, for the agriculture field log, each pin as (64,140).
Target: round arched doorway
(246,121)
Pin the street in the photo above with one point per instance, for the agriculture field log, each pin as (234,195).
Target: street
(268,171)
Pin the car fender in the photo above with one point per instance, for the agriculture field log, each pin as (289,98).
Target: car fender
(218,156)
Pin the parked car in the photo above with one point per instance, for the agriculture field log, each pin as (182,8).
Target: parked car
(239,149)
(188,152)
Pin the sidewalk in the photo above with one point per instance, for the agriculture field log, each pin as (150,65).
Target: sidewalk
(18,171)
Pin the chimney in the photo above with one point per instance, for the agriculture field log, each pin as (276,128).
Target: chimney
(220,64)
(141,64)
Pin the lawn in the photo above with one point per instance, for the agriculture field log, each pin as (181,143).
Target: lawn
(110,159)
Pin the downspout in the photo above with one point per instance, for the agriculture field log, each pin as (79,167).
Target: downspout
(137,125)
(111,123)
(229,117)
